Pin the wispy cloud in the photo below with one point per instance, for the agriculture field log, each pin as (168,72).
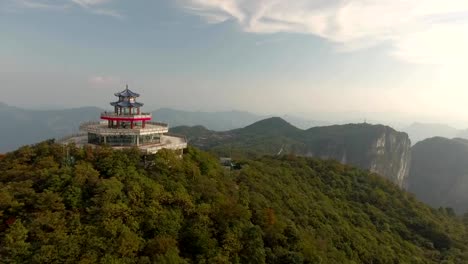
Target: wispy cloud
(45,4)
(419,31)
(92,6)
(90,3)
(103,81)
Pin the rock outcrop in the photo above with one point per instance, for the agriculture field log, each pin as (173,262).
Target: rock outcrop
(378,148)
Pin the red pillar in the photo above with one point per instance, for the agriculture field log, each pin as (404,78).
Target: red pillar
(131,124)
(143,124)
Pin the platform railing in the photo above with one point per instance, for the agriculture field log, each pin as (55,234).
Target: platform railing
(68,137)
(157,123)
(101,127)
(84,125)
(113,114)
(177,135)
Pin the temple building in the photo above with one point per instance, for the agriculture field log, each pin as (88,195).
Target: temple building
(127,126)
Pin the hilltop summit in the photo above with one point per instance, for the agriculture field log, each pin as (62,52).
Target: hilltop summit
(272,125)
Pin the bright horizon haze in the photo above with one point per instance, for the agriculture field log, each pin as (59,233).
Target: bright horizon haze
(396,61)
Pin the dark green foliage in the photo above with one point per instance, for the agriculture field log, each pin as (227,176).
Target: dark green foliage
(111,207)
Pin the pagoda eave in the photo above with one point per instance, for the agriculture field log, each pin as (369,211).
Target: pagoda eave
(126,104)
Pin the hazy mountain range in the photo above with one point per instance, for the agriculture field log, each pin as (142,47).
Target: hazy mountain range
(421,131)
(21,126)
(223,121)
(44,124)
(24,126)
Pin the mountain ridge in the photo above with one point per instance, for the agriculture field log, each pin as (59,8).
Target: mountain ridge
(375,147)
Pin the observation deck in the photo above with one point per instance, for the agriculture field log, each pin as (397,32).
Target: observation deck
(102,128)
(168,141)
(130,117)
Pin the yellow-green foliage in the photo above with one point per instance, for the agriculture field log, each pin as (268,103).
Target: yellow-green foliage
(76,205)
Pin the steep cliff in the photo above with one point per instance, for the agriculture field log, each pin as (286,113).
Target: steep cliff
(377,148)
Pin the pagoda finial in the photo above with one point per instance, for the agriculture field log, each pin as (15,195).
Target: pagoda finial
(127,86)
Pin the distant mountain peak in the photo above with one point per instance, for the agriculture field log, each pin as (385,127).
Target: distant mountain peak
(272,122)
(272,125)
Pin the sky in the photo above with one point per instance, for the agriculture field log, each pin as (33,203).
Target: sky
(395,60)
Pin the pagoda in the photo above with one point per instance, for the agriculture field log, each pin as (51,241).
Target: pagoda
(126,112)
(127,126)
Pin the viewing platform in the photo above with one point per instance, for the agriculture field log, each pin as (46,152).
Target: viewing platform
(125,117)
(102,128)
(171,142)
(168,141)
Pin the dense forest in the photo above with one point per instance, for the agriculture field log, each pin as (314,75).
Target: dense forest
(82,205)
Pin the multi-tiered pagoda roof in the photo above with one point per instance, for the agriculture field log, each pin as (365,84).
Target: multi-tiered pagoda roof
(127,99)
(127,93)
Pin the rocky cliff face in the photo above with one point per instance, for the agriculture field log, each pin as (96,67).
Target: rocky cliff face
(377,148)
(392,156)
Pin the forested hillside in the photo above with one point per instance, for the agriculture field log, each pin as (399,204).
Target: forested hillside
(70,205)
